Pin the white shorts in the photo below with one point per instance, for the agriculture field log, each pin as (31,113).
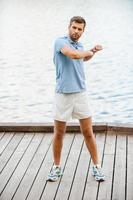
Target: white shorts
(75,105)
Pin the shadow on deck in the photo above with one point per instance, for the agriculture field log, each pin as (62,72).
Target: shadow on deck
(26,159)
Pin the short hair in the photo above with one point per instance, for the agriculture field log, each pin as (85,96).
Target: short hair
(78,19)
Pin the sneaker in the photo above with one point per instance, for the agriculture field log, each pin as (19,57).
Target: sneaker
(54,174)
(97,173)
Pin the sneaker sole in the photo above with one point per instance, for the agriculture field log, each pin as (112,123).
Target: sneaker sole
(51,179)
(98,179)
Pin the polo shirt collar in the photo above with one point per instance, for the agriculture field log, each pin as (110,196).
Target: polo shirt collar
(71,41)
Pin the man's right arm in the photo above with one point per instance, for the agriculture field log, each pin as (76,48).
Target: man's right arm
(76,54)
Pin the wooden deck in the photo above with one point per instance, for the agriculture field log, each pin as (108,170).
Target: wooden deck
(26,159)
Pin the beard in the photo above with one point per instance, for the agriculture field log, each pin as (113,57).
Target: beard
(75,36)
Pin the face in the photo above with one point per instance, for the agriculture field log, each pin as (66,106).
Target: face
(76,30)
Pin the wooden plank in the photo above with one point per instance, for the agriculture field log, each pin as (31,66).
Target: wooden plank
(1,135)
(120,128)
(21,169)
(14,161)
(108,164)
(91,186)
(33,169)
(80,176)
(66,181)
(7,154)
(47,127)
(71,127)
(130,168)
(5,141)
(120,169)
(41,185)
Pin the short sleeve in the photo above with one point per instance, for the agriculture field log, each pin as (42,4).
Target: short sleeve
(59,44)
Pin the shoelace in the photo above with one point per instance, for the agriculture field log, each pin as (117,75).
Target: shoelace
(99,171)
(55,170)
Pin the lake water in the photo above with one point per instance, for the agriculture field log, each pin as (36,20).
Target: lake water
(27,74)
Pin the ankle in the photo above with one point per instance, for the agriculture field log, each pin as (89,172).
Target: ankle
(97,165)
(54,166)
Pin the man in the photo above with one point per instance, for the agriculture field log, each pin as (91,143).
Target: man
(71,98)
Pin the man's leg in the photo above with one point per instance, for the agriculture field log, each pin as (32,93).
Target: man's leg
(86,128)
(59,131)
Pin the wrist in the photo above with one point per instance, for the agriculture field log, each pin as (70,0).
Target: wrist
(91,53)
(93,50)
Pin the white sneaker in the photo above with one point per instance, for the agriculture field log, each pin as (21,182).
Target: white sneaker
(97,173)
(54,174)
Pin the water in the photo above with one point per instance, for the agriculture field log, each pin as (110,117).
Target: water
(27,74)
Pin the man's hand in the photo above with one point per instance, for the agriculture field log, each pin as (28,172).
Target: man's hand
(96,48)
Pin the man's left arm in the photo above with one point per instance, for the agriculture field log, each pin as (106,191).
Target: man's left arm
(95,49)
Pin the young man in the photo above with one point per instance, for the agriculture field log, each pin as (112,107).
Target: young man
(71,97)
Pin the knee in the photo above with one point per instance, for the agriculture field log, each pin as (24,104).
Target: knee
(88,133)
(59,133)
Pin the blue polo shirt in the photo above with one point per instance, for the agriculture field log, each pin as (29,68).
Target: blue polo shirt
(70,77)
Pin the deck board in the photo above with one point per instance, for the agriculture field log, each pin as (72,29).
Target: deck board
(14,161)
(21,169)
(26,159)
(33,169)
(108,165)
(1,135)
(130,168)
(120,169)
(7,154)
(91,187)
(80,176)
(40,181)
(5,141)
